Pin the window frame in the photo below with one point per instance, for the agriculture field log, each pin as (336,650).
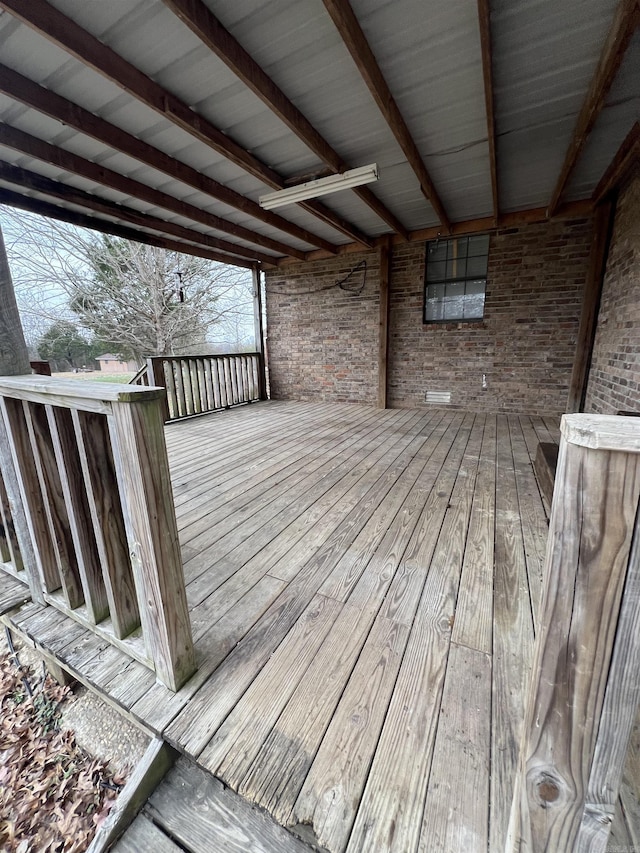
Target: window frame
(464,280)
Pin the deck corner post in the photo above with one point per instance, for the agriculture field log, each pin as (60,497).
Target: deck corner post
(385,251)
(583,693)
(258,326)
(141,464)
(155,375)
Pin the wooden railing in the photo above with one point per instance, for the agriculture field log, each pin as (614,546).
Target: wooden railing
(197,384)
(93,485)
(585,687)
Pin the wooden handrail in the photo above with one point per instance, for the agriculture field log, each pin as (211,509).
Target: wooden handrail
(584,688)
(94,484)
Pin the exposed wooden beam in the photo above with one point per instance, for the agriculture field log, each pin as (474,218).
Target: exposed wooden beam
(67,34)
(18,140)
(484,21)
(203,23)
(70,195)
(64,32)
(27,92)
(572,210)
(347,24)
(385,251)
(625,22)
(626,157)
(62,214)
(602,230)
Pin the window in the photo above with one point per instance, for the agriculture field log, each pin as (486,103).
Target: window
(456,279)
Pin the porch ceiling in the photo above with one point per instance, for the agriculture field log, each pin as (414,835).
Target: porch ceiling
(201,141)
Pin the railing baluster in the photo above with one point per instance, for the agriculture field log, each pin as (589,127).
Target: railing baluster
(32,499)
(198,384)
(233,379)
(96,460)
(75,497)
(54,504)
(208,379)
(180,396)
(92,477)
(170,386)
(9,547)
(186,384)
(195,385)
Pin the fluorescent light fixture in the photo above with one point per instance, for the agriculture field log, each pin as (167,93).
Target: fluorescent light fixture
(322,186)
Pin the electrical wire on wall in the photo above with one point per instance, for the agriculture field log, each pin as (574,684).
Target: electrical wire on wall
(351,283)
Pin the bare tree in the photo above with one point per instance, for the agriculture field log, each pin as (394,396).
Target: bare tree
(142,299)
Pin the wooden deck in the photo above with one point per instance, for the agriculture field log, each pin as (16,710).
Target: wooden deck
(364,588)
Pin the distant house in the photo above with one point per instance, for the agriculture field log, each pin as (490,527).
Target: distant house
(112,364)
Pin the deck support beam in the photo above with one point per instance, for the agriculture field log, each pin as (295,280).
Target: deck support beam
(383,330)
(602,229)
(584,692)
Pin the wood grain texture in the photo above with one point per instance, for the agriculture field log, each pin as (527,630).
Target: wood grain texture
(240,737)
(618,715)
(601,432)
(27,506)
(55,509)
(9,546)
(142,470)
(98,471)
(473,624)
(390,809)
(591,530)
(456,810)
(512,641)
(76,503)
(145,835)
(332,789)
(152,767)
(13,593)
(202,814)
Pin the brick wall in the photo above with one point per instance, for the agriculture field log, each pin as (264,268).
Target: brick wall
(322,340)
(614,378)
(324,345)
(524,346)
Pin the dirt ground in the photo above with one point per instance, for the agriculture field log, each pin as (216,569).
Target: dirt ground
(64,756)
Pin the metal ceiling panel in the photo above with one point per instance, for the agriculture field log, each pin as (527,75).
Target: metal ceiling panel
(545,54)
(621,110)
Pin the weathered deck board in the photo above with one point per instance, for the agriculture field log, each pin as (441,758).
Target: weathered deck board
(201,814)
(456,813)
(13,593)
(362,645)
(512,640)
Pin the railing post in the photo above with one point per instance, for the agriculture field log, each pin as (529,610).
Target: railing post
(137,438)
(155,371)
(583,694)
(259,334)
